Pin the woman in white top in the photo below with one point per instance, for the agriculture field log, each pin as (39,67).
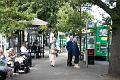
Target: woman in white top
(53,52)
(25,52)
(23,49)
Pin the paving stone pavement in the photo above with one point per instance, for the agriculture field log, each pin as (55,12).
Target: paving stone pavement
(42,70)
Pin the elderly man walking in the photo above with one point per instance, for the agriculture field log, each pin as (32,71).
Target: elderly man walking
(69,49)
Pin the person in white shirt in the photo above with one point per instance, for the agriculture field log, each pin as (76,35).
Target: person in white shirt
(10,57)
(5,70)
(53,52)
(24,49)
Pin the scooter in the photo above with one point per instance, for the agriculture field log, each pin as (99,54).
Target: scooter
(21,64)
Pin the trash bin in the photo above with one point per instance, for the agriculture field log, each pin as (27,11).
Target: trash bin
(91,58)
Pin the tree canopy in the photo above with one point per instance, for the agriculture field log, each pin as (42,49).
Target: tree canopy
(12,11)
(16,12)
(10,16)
(71,20)
(113,12)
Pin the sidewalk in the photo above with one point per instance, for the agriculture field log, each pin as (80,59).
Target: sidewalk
(42,70)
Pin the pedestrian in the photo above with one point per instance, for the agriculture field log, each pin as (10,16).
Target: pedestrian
(75,53)
(53,52)
(10,57)
(34,49)
(69,49)
(11,60)
(12,53)
(5,72)
(24,51)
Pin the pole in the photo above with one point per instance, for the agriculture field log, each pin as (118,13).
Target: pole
(108,42)
(60,43)
(29,50)
(86,48)
(80,46)
(43,44)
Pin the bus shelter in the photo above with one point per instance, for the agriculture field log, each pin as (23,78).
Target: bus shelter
(35,39)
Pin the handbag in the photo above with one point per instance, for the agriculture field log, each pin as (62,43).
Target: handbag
(53,52)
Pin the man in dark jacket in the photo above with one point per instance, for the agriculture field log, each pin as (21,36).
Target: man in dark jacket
(76,53)
(69,49)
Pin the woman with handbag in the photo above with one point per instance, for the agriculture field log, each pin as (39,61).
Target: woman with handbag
(75,53)
(53,52)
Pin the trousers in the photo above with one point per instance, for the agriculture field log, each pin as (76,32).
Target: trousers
(69,60)
(52,58)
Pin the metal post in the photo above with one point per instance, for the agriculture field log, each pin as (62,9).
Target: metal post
(19,41)
(80,46)
(86,48)
(108,42)
(29,49)
(49,40)
(43,44)
(60,42)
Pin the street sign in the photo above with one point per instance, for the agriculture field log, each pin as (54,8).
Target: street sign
(90,24)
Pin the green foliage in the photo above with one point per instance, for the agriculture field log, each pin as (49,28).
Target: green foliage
(107,21)
(70,20)
(63,16)
(60,14)
(10,17)
(46,10)
(42,28)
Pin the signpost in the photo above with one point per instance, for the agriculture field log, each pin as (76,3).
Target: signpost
(89,43)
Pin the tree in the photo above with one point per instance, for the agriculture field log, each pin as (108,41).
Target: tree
(114,12)
(46,10)
(14,17)
(70,20)
(11,17)
(63,16)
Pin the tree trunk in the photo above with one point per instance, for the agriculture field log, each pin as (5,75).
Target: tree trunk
(114,64)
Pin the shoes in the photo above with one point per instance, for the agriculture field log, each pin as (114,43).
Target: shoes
(70,64)
(76,66)
(15,73)
(52,65)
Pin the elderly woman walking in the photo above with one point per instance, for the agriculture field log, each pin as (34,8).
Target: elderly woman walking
(76,53)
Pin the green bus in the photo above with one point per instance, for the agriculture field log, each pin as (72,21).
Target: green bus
(101,42)
(97,39)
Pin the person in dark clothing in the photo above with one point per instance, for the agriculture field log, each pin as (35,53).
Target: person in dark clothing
(34,49)
(69,49)
(76,53)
